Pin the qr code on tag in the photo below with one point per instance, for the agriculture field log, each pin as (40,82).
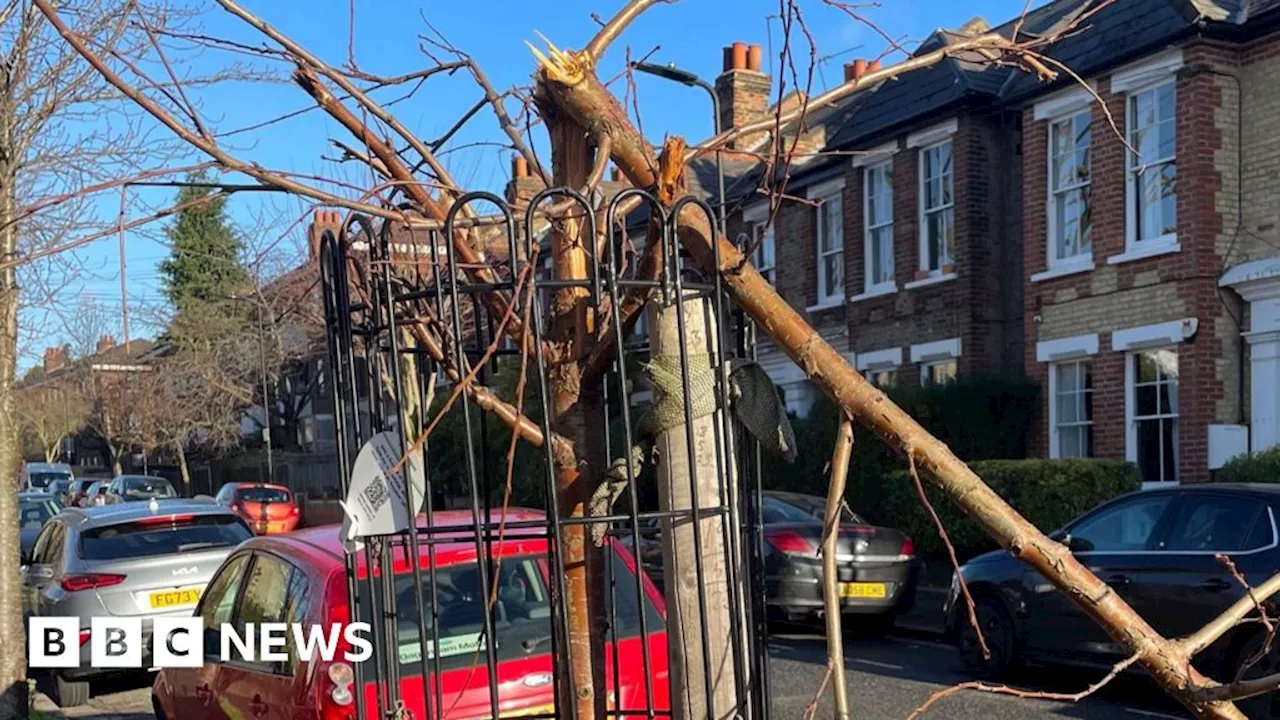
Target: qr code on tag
(375,493)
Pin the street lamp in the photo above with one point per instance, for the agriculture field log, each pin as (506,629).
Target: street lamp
(688,79)
(266,399)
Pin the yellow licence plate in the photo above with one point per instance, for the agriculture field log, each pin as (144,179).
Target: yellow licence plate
(174,598)
(863,590)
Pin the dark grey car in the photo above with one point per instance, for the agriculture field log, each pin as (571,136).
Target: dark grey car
(34,510)
(128,560)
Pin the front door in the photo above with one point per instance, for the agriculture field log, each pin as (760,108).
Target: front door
(1115,543)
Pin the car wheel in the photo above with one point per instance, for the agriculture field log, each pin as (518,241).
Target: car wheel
(69,693)
(1261,707)
(997,632)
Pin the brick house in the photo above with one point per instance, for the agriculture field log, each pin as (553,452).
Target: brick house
(1143,270)
(990,222)
(889,248)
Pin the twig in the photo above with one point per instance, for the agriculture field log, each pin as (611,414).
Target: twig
(1239,610)
(951,553)
(812,708)
(614,27)
(1028,694)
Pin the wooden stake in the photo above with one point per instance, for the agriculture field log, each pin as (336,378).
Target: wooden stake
(694,634)
(830,586)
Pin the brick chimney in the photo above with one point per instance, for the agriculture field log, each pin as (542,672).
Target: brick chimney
(54,358)
(105,343)
(322,220)
(523,186)
(744,92)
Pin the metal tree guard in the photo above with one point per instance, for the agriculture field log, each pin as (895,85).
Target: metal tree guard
(375,287)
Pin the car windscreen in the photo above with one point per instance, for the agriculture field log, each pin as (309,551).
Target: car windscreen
(264,495)
(817,507)
(147,488)
(521,614)
(59,486)
(162,535)
(34,513)
(41,480)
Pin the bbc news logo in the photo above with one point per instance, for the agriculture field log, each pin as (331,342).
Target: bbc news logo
(58,642)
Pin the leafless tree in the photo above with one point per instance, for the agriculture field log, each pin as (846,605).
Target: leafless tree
(49,414)
(588,128)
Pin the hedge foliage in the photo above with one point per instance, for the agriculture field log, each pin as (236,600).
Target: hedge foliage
(983,421)
(1049,493)
(1260,467)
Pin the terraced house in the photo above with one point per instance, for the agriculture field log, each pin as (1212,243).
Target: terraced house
(1117,241)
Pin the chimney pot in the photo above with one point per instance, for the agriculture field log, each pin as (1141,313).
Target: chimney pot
(754,56)
(105,343)
(728,58)
(739,56)
(519,166)
(874,66)
(616,175)
(855,70)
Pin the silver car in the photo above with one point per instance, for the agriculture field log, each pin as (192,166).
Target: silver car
(138,488)
(128,560)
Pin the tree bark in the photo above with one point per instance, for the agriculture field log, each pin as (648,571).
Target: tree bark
(830,586)
(699,640)
(182,466)
(13,665)
(573,410)
(579,93)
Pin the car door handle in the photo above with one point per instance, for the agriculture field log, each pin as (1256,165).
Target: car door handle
(257,706)
(1215,585)
(1118,580)
(203,694)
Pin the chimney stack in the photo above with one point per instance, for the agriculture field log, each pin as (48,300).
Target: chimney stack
(105,343)
(743,91)
(322,220)
(54,359)
(523,185)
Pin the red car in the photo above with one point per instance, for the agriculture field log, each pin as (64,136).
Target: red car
(267,509)
(300,578)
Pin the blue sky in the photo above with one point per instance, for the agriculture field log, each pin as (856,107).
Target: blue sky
(690,33)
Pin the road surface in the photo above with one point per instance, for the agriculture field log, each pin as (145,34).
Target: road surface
(888,678)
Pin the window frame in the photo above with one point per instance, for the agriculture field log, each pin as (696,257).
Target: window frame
(762,236)
(275,669)
(885,168)
(1165,242)
(1055,440)
(826,296)
(1158,532)
(925,212)
(1085,257)
(1132,418)
(926,365)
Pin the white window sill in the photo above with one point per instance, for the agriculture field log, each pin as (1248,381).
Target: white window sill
(827,304)
(876,291)
(925,282)
(1154,247)
(1064,270)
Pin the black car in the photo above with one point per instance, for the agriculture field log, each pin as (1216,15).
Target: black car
(878,569)
(1157,549)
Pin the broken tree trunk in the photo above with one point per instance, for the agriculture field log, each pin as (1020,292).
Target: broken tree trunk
(574,408)
(699,612)
(570,80)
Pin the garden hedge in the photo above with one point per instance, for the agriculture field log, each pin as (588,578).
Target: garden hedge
(1260,467)
(1049,493)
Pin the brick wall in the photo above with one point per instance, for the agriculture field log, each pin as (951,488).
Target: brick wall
(982,306)
(1152,290)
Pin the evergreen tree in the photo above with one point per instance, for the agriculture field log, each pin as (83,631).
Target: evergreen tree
(204,264)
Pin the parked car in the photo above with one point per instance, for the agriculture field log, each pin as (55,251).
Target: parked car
(300,577)
(34,510)
(878,568)
(37,476)
(76,491)
(266,508)
(138,488)
(138,559)
(59,489)
(1157,549)
(95,494)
